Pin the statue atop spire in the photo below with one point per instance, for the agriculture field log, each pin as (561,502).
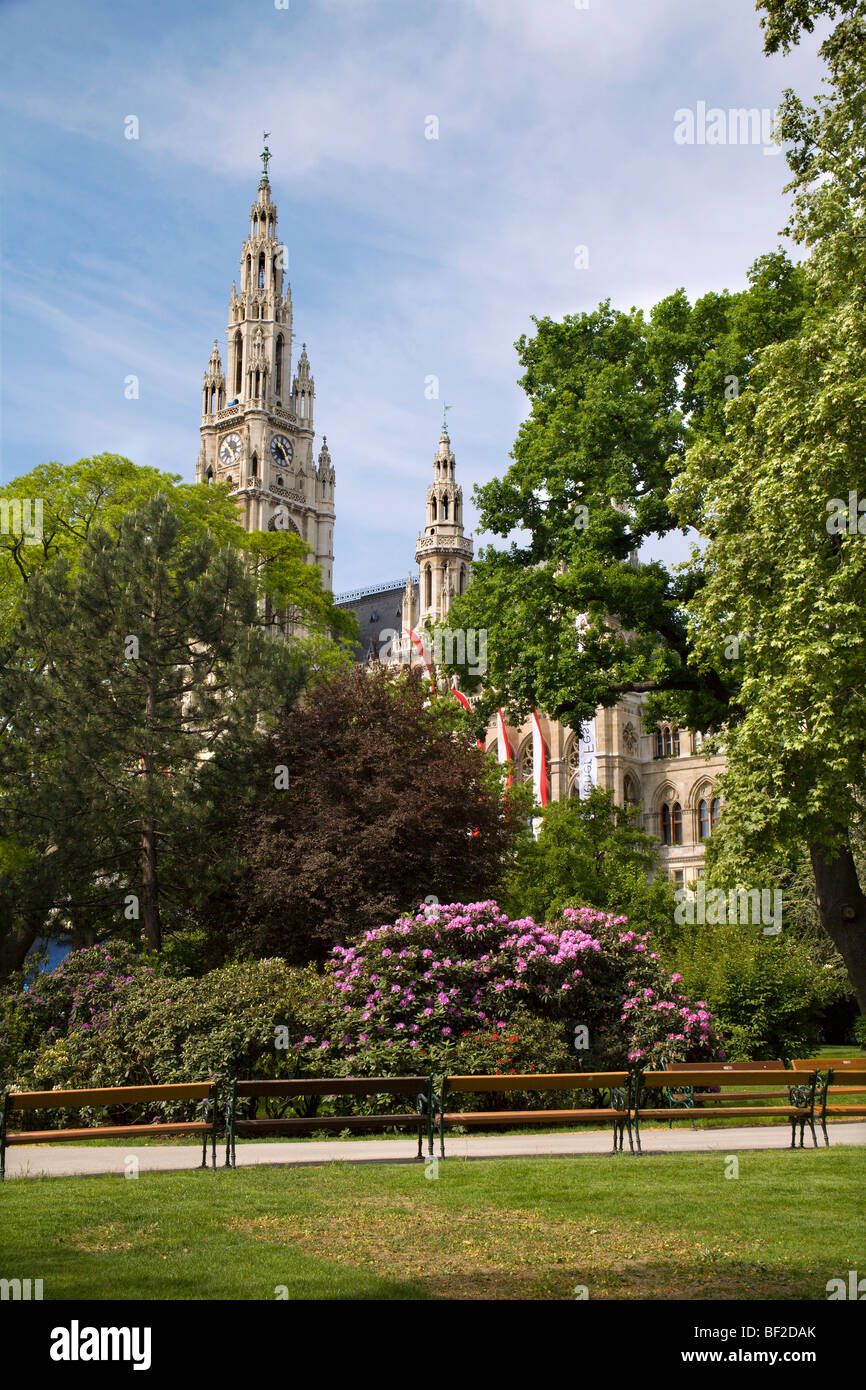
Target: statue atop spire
(445,411)
(265,157)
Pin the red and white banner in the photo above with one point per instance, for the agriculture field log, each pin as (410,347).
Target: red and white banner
(503,747)
(539,763)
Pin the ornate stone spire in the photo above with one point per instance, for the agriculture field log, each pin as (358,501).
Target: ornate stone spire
(443,553)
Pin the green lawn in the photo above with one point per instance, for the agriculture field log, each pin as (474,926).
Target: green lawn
(662,1227)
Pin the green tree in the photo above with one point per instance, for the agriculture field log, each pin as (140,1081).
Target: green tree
(590,853)
(761,636)
(139,677)
(777,499)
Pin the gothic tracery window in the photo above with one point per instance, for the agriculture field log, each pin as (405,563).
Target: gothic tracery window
(667,742)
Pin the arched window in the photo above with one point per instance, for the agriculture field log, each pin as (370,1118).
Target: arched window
(249,271)
(716,811)
(279,482)
(278,366)
(675,742)
(444,508)
(666,741)
(697,741)
(254,467)
(677,823)
(433,509)
(462,578)
(208,477)
(239,364)
(666,825)
(262,271)
(629,790)
(428,586)
(704,826)
(659,749)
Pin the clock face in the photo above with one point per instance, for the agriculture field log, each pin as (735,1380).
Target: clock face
(230,449)
(281,449)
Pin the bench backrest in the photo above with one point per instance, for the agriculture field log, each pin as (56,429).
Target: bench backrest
(839,1064)
(336,1086)
(107,1095)
(530,1081)
(715,1075)
(777,1065)
(849,1077)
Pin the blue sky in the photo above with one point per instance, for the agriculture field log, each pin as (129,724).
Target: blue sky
(409,257)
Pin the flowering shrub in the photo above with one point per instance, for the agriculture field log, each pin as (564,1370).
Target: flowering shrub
(405,991)
(82,994)
(241,1020)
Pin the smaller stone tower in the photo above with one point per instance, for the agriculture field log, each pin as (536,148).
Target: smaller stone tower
(443,554)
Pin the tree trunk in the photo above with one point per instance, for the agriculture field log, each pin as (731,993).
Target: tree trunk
(14,949)
(842,907)
(150,890)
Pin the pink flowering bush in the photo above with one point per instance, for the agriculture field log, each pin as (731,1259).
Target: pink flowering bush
(404,994)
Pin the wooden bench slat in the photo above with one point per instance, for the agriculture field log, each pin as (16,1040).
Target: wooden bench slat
(682,1113)
(713,1077)
(702,1099)
(532,1081)
(335,1086)
(68,1136)
(776,1065)
(477,1117)
(108,1095)
(293,1122)
(824,1063)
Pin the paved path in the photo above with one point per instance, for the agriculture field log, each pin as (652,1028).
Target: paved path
(56,1161)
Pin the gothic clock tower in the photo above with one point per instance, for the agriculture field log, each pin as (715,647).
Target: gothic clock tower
(256,433)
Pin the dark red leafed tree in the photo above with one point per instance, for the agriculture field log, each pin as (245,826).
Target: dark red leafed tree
(369,799)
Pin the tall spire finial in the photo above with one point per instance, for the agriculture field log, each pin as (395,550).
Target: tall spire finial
(445,421)
(265,156)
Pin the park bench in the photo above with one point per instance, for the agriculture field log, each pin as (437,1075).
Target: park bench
(19,1102)
(616,1083)
(681,1095)
(837,1076)
(799,1110)
(420,1119)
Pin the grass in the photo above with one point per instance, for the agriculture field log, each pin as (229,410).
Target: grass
(664,1227)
